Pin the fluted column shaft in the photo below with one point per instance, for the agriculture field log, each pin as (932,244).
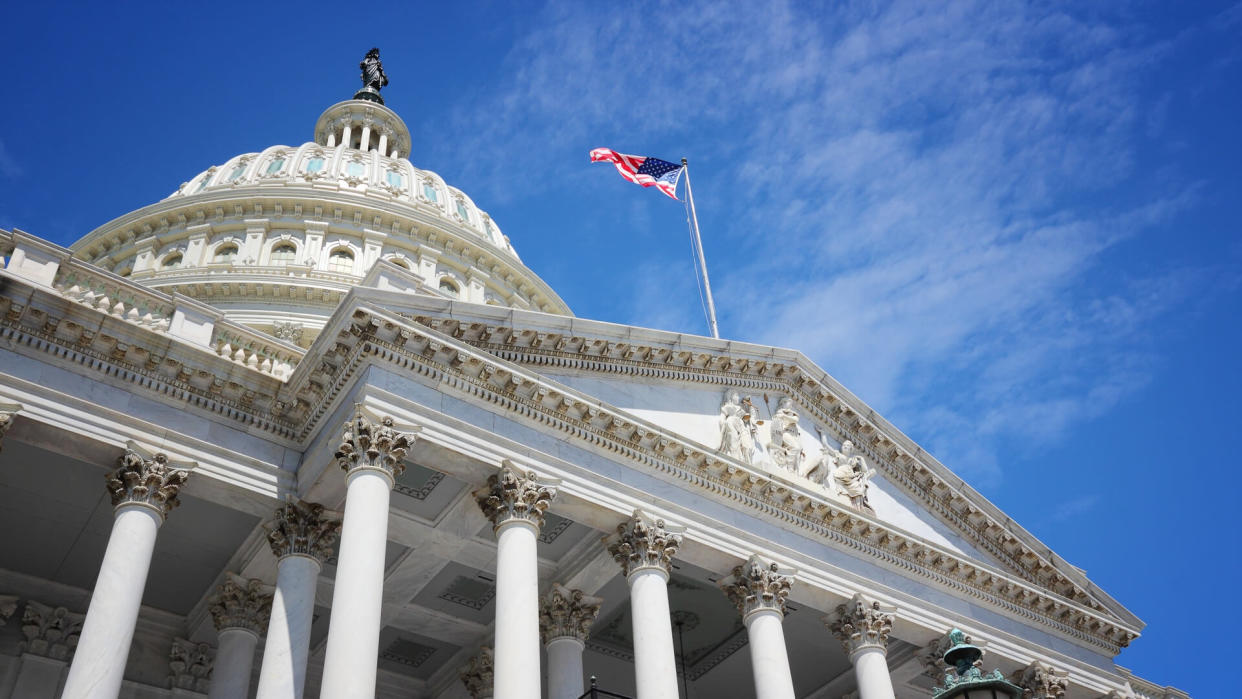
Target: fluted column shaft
(143,490)
(644,547)
(372,454)
(283,673)
(353,633)
(514,501)
(517,611)
(230,675)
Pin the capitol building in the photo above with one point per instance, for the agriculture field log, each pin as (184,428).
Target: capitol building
(308,427)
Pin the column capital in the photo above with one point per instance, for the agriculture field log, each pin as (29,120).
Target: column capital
(8,605)
(51,632)
(241,604)
(189,665)
(374,445)
(514,495)
(861,624)
(644,541)
(1041,681)
(303,528)
(8,413)
(566,613)
(148,481)
(757,585)
(477,675)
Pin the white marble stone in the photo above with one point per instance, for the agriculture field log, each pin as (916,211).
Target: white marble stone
(283,673)
(230,676)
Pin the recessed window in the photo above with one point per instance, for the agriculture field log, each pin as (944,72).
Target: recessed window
(203,185)
(461,209)
(172,261)
(225,253)
(400,262)
(237,172)
(354,169)
(284,253)
(429,191)
(341,260)
(449,288)
(275,166)
(314,165)
(395,179)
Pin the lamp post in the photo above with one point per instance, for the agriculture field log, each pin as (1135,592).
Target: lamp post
(970,682)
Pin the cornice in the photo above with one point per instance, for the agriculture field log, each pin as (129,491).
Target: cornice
(372,335)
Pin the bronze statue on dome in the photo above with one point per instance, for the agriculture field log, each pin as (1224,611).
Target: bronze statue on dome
(373,77)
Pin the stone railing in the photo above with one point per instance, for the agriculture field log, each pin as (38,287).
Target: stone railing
(116,296)
(52,267)
(254,350)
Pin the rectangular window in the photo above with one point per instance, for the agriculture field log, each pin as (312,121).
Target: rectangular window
(354,169)
(394,179)
(429,191)
(461,209)
(314,165)
(237,172)
(275,165)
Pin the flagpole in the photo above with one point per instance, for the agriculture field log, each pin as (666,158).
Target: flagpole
(698,246)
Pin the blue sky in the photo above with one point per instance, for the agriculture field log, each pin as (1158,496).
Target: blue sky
(1012,229)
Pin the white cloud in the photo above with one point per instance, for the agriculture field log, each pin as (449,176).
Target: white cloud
(919,197)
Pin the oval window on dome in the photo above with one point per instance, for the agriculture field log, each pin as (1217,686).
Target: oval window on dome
(172,261)
(449,288)
(225,254)
(314,165)
(275,166)
(284,254)
(341,260)
(429,191)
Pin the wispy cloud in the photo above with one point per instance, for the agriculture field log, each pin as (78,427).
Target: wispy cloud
(919,197)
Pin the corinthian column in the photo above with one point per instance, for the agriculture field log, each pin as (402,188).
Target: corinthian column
(372,455)
(143,491)
(565,619)
(240,611)
(514,502)
(759,591)
(1040,681)
(863,628)
(644,547)
(301,538)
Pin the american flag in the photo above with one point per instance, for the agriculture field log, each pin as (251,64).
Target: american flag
(649,172)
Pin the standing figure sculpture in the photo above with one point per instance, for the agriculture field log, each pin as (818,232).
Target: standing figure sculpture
(785,447)
(852,476)
(373,71)
(738,423)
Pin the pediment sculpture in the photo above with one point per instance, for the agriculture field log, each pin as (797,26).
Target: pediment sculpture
(848,475)
(739,426)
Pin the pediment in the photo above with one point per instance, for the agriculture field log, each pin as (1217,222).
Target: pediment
(675,383)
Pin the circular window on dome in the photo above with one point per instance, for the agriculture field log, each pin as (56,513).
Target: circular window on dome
(284,254)
(449,288)
(173,261)
(225,254)
(341,260)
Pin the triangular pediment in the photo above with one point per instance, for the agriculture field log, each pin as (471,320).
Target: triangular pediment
(671,384)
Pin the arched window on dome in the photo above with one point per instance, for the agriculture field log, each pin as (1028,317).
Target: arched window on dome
(225,254)
(341,260)
(275,166)
(284,254)
(461,210)
(173,261)
(449,288)
(429,191)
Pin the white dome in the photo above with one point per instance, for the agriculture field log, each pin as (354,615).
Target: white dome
(275,239)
